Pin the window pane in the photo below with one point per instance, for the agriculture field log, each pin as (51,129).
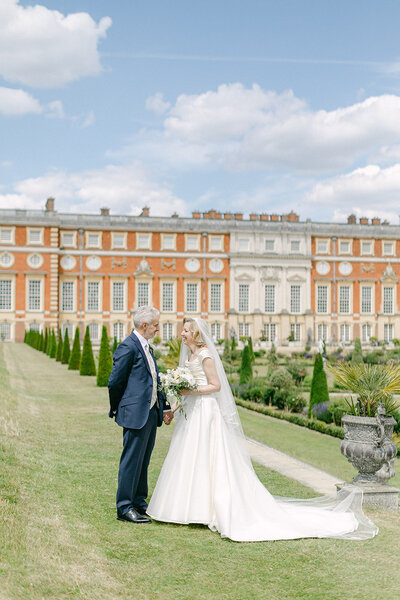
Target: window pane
(67,296)
(35,236)
(143,293)
(269,245)
(5,294)
(215,297)
(388,300)
(94,331)
(93,240)
(143,240)
(5,331)
(70,328)
(168,242)
(191,297)
(322,299)
(366,247)
(216,331)
(167,332)
(269,298)
(366,300)
(244,330)
(244,297)
(345,333)
(344,299)
(322,246)
(295,246)
(192,243)
(269,331)
(68,239)
(167,297)
(118,295)
(295,305)
(5,235)
(322,332)
(295,329)
(344,247)
(118,240)
(34,287)
(366,332)
(215,243)
(93,296)
(243,244)
(388,332)
(119,331)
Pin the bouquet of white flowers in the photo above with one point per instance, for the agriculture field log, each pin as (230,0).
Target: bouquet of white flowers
(175,380)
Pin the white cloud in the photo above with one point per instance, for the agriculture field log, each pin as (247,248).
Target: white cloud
(368,191)
(245,128)
(89,120)
(43,48)
(16,103)
(124,189)
(157,104)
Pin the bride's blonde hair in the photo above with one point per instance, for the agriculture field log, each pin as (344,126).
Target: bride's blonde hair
(194,328)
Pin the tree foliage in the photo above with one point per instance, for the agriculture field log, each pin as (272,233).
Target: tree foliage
(75,357)
(357,356)
(66,349)
(87,365)
(60,346)
(246,370)
(319,385)
(105,360)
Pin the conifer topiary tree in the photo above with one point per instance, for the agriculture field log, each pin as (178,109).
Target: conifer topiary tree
(227,350)
(53,345)
(251,351)
(114,346)
(60,345)
(66,349)
(75,357)
(87,365)
(105,360)
(41,344)
(357,356)
(272,357)
(233,343)
(319,385)
(46,341)
(246,370)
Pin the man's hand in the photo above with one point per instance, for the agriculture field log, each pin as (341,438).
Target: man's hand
(168,416)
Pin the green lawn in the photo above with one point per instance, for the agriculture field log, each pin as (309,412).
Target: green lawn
(59,455)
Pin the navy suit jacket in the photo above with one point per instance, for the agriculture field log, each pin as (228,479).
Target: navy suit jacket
(131,384)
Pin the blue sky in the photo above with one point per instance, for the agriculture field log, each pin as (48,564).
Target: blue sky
(258,106)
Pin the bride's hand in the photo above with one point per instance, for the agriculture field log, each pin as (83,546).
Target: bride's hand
(184,392)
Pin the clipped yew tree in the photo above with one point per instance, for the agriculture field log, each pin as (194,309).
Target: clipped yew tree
(105,360)
(246,370)
(75,357)
(114,346)
(251,351)
(46,341)
(87,366)
(52,345)
(357,356)
(66,349)
(319,385)
(60,345)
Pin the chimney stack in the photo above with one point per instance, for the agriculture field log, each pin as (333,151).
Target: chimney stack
(50,205)
(104,211)
(145,211)
(351,220)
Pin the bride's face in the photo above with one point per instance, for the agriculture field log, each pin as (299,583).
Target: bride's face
(187,335)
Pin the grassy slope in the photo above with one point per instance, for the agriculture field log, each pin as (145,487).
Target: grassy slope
(59,455)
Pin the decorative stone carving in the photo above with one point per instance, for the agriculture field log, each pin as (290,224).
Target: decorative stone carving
(368,445)
(192,265)
(388,275)
(6,260)
(118,263)
(366,269)
(68,262)
(345,268)
(35,261)
(323,267)
(93,263)
(216,265)
(143,268)
(168,265)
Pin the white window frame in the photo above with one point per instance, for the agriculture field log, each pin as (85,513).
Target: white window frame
(388,332)
(192,243)
(295,303)
(272,242)
(71,330)
(385,310)
(211,306)
(244,244)
(366,332)
(296,330)
(292,249)
(122,235)
(270,331)
(6,331)
(322,332)
(139,282)
(113,299)
(118,330)
(12,294)
(28,281)
(270,298)
(65,244)
(188,307)
(371,300)
(244,330)
(345,333)
(90,244)
(11,241)
(164,238)
(215,329)
(243,301)
(94,326)
(69,281)
(99,283)
(30,231)
(171,286)
(167,331)
(217,241)
(345,252)
(393,247)
(343,299)
(320,300)
(143,240)
(326,248)
(364,252)
(11,261)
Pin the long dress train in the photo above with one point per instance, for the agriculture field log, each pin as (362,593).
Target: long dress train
(206,479)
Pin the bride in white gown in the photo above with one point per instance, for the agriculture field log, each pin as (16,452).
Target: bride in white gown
(208,478)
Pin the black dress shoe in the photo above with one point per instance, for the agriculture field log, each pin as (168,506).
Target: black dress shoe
(140,510)
(133,516)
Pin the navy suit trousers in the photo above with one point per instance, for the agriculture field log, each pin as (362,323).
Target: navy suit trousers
(132,477)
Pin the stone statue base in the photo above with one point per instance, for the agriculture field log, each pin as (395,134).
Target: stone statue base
(377,495)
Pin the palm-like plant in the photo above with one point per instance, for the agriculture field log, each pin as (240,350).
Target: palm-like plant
(172,359)
(373,384)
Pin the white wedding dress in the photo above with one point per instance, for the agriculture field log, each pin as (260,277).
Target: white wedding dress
(208,478)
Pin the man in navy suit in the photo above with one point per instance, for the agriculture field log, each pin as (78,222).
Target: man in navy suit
(139,407)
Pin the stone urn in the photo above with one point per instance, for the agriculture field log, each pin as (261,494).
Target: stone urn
(368,446)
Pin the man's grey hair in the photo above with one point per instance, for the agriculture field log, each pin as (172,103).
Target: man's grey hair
(145,314)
